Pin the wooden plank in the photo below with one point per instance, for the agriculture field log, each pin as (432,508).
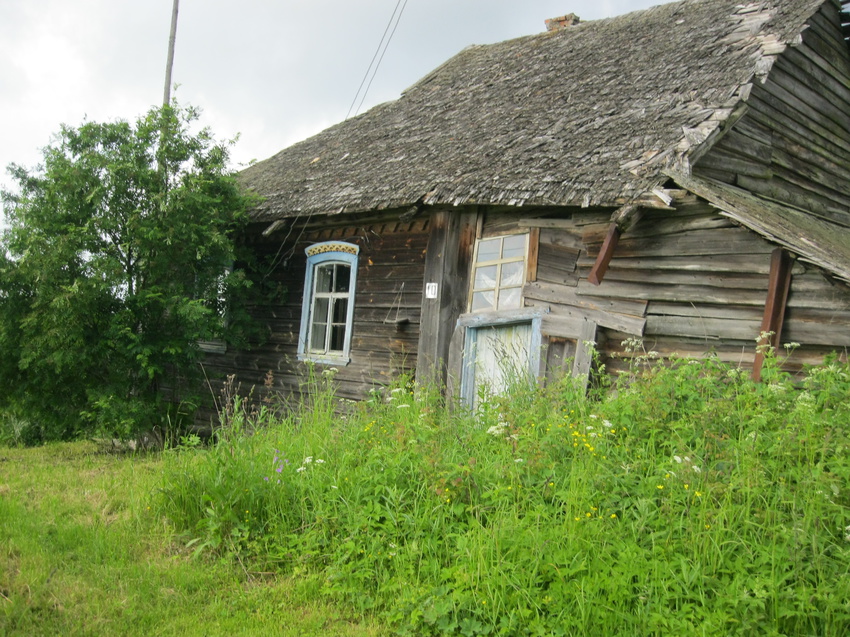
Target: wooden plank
(633,325)
(559,223)
(566,238)
(533,255)
(447,263)
(562,326)
(668,277)
(584,352)
(704,311)
(710,329)
(697,243)
(675,293)
(774,308)
(569,296)
(728,263)
(606,252)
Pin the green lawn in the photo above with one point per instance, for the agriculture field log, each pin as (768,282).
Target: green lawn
(81,554)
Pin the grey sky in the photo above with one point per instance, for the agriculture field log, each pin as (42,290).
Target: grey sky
(274,72)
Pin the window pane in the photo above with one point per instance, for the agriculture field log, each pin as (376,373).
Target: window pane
(483,301)
(318,333)
(337,337)
(343,278)
(324,278)
(488,250)
(485,277)
(510,298)
(513,274)
(340,311)
(514,247)
(320,310)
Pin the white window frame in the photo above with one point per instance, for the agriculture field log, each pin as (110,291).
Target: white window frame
(498,263)
(322,254)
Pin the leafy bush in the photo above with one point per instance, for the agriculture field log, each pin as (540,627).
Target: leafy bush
(691,501)
(112,269)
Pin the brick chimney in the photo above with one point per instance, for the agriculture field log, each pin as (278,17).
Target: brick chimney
(562,22)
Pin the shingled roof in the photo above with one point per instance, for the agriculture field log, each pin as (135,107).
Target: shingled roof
(589,115)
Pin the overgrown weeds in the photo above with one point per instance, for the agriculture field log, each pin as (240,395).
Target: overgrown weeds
(690,501)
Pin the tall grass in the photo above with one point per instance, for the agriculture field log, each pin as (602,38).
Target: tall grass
(690,501)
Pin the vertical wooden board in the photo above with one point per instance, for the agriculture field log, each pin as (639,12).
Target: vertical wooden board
(447,264)
(584,351)
(533,251)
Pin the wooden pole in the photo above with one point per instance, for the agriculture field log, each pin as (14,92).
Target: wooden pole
(778,287)
(166,97)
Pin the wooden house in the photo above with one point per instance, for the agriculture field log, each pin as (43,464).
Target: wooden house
(679,175)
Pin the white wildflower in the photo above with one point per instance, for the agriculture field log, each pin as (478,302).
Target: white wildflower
(696,469)
(319,461)
(519,460)
(497,430)
(677,459)
(608,424)
(396,390)
(333,486)
(513,437)
(300,469)
(308,460)
(588,428)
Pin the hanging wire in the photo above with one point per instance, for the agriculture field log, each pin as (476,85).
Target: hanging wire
(379,56)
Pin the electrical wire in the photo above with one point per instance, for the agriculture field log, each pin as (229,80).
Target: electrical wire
(379,56)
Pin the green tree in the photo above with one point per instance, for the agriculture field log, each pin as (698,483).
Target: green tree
(112,270)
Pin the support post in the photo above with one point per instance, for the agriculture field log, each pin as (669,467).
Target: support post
(447,263)
(778,287)
(605,253)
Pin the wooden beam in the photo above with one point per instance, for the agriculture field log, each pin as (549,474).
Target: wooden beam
(447,263)
(774,308)
(584,352)
(533,253)
(604,258)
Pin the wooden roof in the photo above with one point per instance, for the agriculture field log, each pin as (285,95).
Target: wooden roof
(589,115)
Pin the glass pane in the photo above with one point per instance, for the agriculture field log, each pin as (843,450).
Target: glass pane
(514,247)
(320,310)
(510,298)
(337,337)
(340,311)
(483,301)
(513,274)
(488,250)
(343,278)
(324,277)
(485,277)
(318,333)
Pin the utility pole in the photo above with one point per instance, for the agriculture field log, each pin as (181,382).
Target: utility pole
(166,97)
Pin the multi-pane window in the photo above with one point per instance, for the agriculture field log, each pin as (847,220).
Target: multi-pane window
(328,324)
(498,273)
(328,309)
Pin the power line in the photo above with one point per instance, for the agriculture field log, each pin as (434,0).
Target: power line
(379,56)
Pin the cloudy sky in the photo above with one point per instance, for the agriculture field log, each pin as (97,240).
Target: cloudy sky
(271,71)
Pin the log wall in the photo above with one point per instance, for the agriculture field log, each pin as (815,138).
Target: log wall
(688,282)
(793,143)
(386,306)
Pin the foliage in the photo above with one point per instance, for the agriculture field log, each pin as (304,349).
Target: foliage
(82,553)
(112,269)
(691,501)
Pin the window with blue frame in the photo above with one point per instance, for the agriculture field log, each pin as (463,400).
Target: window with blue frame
(327,311)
